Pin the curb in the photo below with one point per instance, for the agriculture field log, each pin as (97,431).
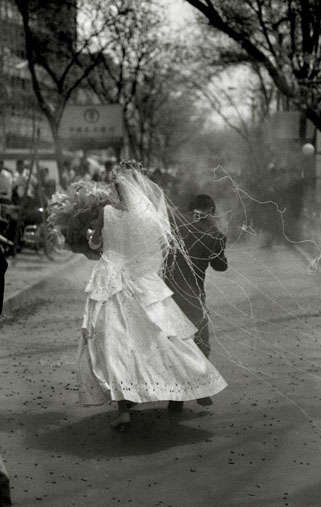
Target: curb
(31,293)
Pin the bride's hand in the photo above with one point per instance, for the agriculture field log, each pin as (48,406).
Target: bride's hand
(89,234)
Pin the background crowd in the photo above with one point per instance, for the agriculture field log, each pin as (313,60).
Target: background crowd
(26,191)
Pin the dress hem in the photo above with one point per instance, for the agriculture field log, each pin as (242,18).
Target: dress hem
(164,396)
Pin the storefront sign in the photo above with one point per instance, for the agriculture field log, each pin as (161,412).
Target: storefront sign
(92,127)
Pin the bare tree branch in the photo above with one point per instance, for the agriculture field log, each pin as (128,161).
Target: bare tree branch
(295,66)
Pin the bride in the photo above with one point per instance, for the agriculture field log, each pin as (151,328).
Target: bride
(136,344)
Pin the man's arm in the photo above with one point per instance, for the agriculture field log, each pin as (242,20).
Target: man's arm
(218,261)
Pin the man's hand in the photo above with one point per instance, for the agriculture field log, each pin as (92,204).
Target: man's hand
(85,334)
(5,241)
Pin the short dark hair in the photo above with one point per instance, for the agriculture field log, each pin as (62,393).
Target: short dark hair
(202,202)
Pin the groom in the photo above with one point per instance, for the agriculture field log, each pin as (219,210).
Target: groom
(204,245)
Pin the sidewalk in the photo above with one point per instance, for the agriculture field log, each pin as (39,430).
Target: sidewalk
(27,274)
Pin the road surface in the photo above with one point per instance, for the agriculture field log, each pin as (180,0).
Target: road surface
(258,445)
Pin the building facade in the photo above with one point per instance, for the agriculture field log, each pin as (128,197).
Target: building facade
(20,116)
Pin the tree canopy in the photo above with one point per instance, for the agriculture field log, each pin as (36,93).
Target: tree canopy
(281,36)
(140,70)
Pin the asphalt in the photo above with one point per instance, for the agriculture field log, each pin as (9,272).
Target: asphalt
(258,446)
(28,273)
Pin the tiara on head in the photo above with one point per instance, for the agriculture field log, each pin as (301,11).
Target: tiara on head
(131,165)
(128,166)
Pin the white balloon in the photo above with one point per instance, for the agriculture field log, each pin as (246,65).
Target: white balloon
(308,149)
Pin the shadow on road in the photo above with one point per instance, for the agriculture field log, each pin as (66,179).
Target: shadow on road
(152,430)
(251,448)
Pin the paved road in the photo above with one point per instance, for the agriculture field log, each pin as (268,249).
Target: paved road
(259,445)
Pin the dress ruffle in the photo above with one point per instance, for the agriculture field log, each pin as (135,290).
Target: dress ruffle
(149,297)
(105,280)
(109,277)
(140,344)
(142,352)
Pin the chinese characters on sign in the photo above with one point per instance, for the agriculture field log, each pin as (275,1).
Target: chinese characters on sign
(79,130)
(92,127)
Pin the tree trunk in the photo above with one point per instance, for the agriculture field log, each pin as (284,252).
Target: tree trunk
(58,148)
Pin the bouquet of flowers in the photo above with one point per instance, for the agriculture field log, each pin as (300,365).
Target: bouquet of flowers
(74,213)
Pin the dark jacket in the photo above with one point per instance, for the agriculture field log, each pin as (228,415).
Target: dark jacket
(3,269)
(205,245)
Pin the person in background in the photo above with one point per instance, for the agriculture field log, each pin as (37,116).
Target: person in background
(205,246)
(25,186)
(5,498)
(32,185)
(107,174)
(48,184)
(68,174)
(19,182)
(7,221)
(6,182)
(83,169)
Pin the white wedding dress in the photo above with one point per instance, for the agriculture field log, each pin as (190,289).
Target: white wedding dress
(140,344)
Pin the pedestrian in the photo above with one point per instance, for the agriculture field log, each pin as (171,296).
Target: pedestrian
(3,269)
(5,498)
(6,182)
(68,174)
(19,182)
(204,245)
(136,344)
(47,185)
(108,166)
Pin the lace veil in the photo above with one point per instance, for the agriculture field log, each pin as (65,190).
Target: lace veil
(150,238)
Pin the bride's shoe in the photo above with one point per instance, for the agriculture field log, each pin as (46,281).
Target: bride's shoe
(120,422)
(205,402)
(131,404)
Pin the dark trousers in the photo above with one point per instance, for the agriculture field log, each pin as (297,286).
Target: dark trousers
(3,268)
(202,338)
(193,304)
(5,498)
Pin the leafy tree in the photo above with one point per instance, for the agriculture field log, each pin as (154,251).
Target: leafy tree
(283,37)
(58,34)
(177,123)
(139,71)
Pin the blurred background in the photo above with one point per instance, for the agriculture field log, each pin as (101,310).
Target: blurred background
(208,96)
